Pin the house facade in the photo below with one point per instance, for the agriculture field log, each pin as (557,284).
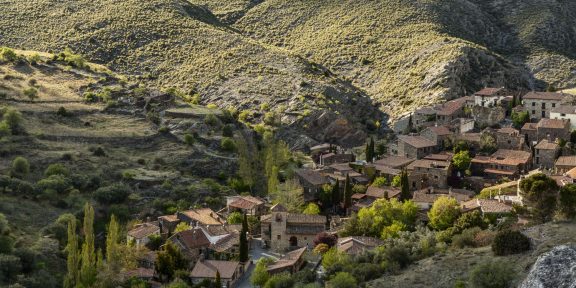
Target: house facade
(540,104)
(545,154)
(490,97)
(415,146)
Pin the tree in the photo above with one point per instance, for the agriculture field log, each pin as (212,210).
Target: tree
(290,194)
(487,143)
(410,125)
(444,212)
(273,180)
(347,193)
(540,191)
(380,182)
(244,240)
(260,274)
(372,150)
(282,280)
(235,218)
(227,144)
(31,93)
(336,198)
(334,257)
(246,165)
(72,277)
(325,238)
(169,261)
(396,181)
(404,186)
(88,256)
(13,118)
(342,280)
(218,281)
(182,226)
(520,118)
(8,54)
(491,274)
(20,168)
(113,194)
(311,209)
(567,201)
(56,169)
(10,267)
(460,146)
(462,160)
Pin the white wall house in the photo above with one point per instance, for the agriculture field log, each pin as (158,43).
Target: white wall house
(566,112)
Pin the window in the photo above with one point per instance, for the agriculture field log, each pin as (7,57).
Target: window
(543,114)
(305,238)
(533,104)
(533,112)
(278,237)
(537,160)
(543,105)
(553,105)
(563,115)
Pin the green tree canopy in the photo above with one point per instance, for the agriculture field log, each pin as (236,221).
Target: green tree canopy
(384,215)
(567,201)
(20,167)
(444,213)
(540,193)
(342,280)
(311,209)
(461,160)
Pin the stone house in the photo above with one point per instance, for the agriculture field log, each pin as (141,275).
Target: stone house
(394,161)
(292,262)
(230,272)
(539,104)
(550,129)
(545,154)
(490,97)
(566,112)
(246,204)
(487,207)
(386,192)
(192,243)
(282,230)
(439,134)
(424,117)
(385,171)
(357,245)
(201,216)
(425,198)
(425,172)
(141,233)
(415,146)
(451,110)
(565,164)
(503,163)
(510,138)
(311,181)
(167,224)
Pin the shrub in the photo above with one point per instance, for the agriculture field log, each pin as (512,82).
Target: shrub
(444,212)
(260,275)
(342,280)
(380,182)
(469,220)
(20,167)
(62,112)
(8,54)
(56,169)
(113,194)
(325,238)
(466,238)
(189,139)
(13,118)
(495,274)
(311,209)
(91,97)
(211,120)
(228,144)
(99,152)
(484,238)
(56,182)
(235,218)
(228,130)
(510,242)
(10,267)
(21,187)
(5,129)
(31,93)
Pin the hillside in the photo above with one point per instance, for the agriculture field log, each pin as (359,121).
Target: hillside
(455,264)
(297,57)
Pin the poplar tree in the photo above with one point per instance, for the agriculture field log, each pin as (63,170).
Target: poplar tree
(88,258)
(72,262)
(113,253)
(347,193)
(218,282)
(372,150)
(273,181)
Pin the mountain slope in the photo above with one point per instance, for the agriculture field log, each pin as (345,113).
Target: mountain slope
(300,56)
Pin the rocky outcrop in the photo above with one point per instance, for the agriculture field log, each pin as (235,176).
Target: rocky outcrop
(556,268)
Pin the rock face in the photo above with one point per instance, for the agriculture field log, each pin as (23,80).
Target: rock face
(556,268)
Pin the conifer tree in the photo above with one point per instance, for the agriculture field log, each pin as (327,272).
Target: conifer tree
(404,186)
(367,152)
(244,240)
(336,197)
(372,150)
(71,279)
(347,193)
(218,282)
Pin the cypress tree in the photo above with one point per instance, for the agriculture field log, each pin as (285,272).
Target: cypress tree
(218,282)
(372,151)
(404,186)
(244,240)
(367,152)
(71,279)
(336,198)
(347,193)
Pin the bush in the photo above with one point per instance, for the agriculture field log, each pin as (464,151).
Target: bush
(342,280)
(10,267)
(31,93)
(484,238)
(113,194)
(211,120)
(228,130)
(282,280)
(469,220)
(56,169)
(99,152)
(13,118)
(189,139)
(510,242)
(235,218)
(62,112)
(21,187)
(466,238)
(228,144)
(57,183)
(8,54)
(20,167)
(380,182)
(496,274)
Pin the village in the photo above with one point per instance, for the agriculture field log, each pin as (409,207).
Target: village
(474,149)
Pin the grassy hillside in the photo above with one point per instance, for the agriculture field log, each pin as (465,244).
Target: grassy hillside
(297,57)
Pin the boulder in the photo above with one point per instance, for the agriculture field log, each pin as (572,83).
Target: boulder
(555,268)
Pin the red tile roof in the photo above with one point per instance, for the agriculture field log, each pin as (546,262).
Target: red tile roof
(505,157)
(566,161)
(290,259)
(311,176)
(440,130)
(451,107)
(553,123)
(488,91)
(547,145)
(394,161)
(380,192)
(144,230)
(190,239)
(204,216)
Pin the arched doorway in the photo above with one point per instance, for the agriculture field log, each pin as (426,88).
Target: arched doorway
(293,241)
